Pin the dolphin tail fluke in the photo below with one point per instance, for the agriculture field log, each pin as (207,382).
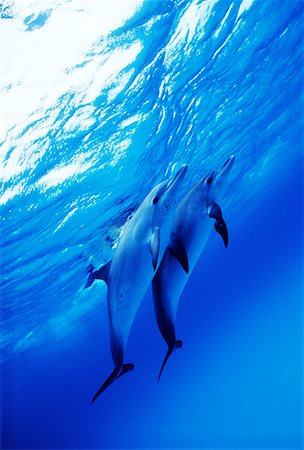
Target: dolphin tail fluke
(117,372)
(107,383)
(176,345)
(125,369)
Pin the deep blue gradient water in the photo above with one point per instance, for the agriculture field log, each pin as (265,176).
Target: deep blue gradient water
(100,102)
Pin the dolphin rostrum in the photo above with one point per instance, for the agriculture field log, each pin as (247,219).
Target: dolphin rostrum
(191,229)
(137,256)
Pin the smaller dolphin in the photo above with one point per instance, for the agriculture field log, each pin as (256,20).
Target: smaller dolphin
(137,256)
(191,229)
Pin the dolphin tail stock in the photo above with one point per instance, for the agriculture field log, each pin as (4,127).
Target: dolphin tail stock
(117,373)
(100,274)
(177,344)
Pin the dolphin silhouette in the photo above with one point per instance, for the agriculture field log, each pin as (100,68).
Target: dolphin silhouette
(137,256)
(191,229)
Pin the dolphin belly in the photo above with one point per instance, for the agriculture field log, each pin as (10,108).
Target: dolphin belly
(125,296)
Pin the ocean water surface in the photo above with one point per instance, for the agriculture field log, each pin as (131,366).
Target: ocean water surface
(100,101)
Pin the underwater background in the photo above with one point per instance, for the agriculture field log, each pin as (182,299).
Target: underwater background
(100,101)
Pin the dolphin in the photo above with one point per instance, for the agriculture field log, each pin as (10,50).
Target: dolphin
(137,256)
(191,229)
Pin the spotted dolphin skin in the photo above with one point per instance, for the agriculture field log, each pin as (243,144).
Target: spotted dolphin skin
(191,229)
(137,256)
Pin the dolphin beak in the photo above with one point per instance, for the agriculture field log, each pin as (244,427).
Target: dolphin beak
(177,178)
(228,165)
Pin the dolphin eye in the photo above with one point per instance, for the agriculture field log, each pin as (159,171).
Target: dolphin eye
(155,200)
(209,180)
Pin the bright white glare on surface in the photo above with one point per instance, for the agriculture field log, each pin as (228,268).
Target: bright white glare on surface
(196,15)
(61,174)
(246,4)
(36,63)
(109,71)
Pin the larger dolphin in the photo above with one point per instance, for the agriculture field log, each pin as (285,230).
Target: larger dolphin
(138,254)
(191,230)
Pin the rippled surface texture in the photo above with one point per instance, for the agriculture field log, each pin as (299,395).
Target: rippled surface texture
(100,102)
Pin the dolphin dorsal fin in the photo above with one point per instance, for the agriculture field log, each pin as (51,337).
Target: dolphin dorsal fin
(100,274)
(177,249)
(220,225)
(154,246)
(103,272)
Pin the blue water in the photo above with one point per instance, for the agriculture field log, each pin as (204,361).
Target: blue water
(102,100)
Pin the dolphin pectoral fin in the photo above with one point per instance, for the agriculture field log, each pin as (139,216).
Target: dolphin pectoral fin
(177,249)
(154,246)
(177,344)
(221,228)
(100,274)
(117,373)
(220,225)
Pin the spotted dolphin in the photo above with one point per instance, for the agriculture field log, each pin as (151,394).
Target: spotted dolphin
(191,229)
(137,256)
